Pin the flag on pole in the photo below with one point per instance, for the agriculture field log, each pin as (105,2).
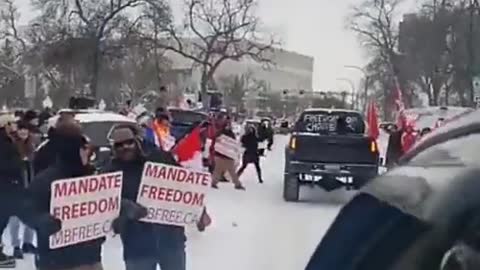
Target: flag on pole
(372,120)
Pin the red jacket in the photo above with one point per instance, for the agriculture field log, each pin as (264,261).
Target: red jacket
(408,140)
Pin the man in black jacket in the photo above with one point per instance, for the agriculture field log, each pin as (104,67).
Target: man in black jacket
(144,244)
(11,175)
(250,143)
(72,160)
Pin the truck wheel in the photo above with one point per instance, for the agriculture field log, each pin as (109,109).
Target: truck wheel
(291,188)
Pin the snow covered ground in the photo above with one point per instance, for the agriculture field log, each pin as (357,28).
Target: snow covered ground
(254,230)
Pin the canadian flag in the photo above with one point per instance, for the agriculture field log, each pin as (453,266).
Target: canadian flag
(188,153)
(372,120)
(189,150)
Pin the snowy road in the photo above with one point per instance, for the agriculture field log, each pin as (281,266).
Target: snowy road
(252,230)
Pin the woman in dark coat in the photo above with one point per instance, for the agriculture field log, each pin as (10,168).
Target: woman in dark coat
(251,155)
(394,149)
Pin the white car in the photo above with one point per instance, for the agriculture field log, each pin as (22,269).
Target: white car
(97,125)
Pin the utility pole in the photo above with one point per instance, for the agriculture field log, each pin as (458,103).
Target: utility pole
(352,88)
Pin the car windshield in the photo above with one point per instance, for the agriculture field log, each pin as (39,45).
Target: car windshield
(187,117)
(98,131)
(328,122)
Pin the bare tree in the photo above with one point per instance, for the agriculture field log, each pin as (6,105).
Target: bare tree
(9,16)
(219,30)
(375,23)
(95,20)
(154,19)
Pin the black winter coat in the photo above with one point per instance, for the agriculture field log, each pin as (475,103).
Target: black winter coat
(250,143)
(39,195)
(45,154)
(266,133)
(11,168)
(394,148)
(145,240)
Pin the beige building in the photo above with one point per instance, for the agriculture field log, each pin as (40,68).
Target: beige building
(290,71)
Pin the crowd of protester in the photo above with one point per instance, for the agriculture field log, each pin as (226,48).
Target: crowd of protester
(36,152)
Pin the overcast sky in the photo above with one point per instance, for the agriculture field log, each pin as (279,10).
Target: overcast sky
(310,27)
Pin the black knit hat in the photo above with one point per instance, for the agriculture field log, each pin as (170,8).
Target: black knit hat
(30,115)
(161,114)
(68,142)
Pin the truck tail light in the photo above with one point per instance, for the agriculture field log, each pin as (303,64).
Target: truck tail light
(373,146)
(293,143)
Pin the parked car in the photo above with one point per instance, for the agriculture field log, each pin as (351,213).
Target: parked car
(418,215)
(97,126)
(183,120)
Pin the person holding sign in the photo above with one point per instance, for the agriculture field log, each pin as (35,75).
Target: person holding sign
(73,153)
(223,161)
(145,245)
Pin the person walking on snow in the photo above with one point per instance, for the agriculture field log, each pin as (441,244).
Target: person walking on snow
(25,143)
(145,245)
(222,163)
(11,184)
(250,143)
(72,154)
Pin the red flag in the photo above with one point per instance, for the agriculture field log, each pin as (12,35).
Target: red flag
(189,146)
(372,120)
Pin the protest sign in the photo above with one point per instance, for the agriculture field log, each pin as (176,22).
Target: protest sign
(173,195)
(86,206)
(228,147)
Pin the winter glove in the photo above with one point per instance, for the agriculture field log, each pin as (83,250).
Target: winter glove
(130,211)
(47,224)
(118,224)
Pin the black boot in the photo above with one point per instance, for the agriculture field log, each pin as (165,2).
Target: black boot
(6,261)
(18,253)
(29,248)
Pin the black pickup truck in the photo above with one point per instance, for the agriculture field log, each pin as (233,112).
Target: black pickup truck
(329,148)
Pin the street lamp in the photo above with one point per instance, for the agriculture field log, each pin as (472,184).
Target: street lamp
(366,79)
(352,88)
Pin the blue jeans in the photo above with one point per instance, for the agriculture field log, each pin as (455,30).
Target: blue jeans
(169,259)
(14,226)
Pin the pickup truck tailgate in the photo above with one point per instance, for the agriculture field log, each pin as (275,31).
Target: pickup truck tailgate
(355,149)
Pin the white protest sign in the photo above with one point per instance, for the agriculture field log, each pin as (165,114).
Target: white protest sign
(173,195)
(228,147)
(86,206)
